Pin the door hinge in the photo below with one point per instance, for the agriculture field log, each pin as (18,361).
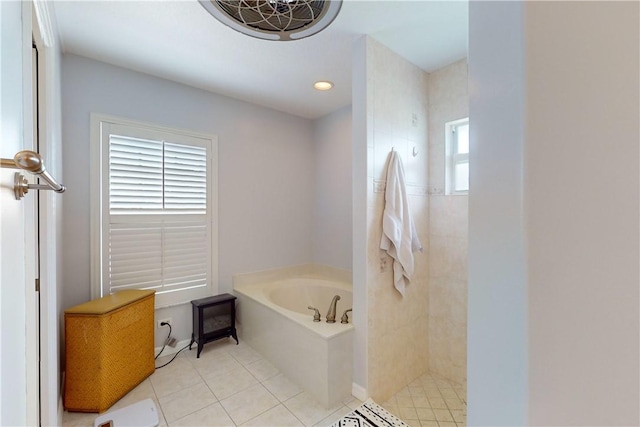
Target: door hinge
(37,285)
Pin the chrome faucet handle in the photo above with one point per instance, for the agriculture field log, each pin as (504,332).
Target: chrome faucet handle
(345,317)
(316,315)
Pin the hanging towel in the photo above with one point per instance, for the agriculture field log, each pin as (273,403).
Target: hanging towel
(399,236)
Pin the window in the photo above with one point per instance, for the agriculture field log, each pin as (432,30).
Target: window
(457,156)
(153,211)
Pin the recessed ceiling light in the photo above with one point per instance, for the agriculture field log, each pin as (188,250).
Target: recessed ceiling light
(323,85)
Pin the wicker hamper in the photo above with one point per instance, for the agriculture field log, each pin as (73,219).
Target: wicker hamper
(108,349)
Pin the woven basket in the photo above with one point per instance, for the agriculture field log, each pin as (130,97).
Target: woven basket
(108,348)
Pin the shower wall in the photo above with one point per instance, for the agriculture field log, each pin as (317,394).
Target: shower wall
(448,233)
(396,114)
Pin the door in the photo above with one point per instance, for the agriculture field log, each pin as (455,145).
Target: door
(19,392)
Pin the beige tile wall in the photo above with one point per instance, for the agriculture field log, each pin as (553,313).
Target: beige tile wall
(448,235)
(398,328)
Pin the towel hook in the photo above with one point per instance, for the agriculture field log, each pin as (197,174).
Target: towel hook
(414,151)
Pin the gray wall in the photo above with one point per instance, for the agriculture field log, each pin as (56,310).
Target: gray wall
(332,212)
(497,349)
(266,172)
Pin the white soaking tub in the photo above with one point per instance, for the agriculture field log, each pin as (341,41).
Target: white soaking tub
(272,317)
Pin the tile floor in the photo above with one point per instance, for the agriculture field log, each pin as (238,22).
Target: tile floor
(233,385)
(430,401)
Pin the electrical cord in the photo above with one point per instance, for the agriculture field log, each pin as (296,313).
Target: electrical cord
(174,356)
(165,344)
(165,341)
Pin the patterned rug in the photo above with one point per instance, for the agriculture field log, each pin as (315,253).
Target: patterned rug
(369,414)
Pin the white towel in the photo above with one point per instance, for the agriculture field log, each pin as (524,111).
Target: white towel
(399,236)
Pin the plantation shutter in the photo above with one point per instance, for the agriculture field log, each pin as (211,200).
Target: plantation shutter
(157,216)
(157,255)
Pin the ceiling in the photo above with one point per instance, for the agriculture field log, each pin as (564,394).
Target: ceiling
(181,41)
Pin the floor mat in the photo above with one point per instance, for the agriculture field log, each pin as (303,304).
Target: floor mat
(369,414)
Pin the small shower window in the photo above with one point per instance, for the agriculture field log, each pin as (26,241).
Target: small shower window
(457,156)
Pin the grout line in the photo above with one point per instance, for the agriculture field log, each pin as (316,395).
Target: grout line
(244,366)
(445,384)
(209,388)
(282,401)
(218,400)
(268,391)
(294,415)
(157,399)
(259,381)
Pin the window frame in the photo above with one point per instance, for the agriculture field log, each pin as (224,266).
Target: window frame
(99,201)
(452,157)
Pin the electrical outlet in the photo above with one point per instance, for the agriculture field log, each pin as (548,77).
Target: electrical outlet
(163,321)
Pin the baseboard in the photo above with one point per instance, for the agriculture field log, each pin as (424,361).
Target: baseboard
(359,392)
(168,351)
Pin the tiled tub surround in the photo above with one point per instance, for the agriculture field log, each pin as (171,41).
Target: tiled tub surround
(448,232)
(273,318)
(398,328)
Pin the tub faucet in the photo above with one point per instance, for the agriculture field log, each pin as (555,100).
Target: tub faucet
(316,314)
(345,316)
(331,314)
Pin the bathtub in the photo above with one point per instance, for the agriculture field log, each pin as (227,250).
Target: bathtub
(272,317)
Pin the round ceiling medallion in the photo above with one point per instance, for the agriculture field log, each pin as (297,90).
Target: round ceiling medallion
(275,19)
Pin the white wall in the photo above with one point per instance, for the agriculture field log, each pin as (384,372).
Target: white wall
(554,214)
(266,171)
(332,230)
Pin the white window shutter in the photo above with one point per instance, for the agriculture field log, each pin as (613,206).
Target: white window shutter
(163,256)
(135,256)
(185,255)
(135,174)
(157,222)
(185,177)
